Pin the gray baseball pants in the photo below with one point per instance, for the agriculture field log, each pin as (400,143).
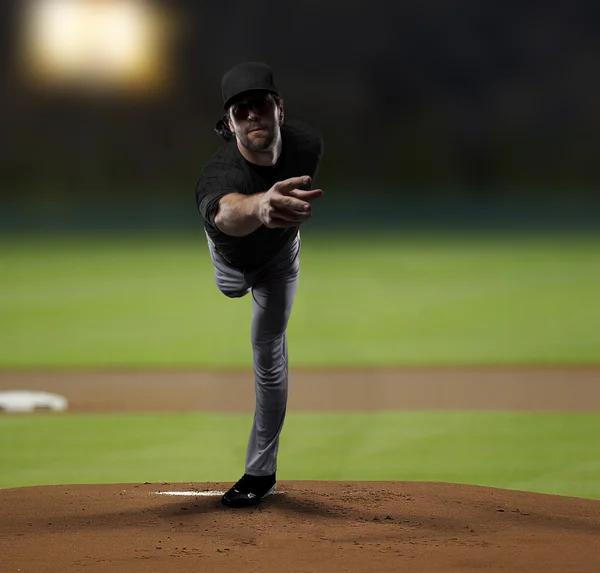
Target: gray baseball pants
(273,289)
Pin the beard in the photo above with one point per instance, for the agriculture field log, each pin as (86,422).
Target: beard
(258,141)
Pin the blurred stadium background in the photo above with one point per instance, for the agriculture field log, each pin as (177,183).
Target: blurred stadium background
(436,116)
(434,113)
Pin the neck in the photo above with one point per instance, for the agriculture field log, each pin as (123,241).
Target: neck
(266,158)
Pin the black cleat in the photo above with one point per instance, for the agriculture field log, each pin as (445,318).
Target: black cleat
(249,490)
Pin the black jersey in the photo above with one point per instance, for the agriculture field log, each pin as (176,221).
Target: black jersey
(229,172)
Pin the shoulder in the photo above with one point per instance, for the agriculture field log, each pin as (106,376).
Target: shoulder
(302,137)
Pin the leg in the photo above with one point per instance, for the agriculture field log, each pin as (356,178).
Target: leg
(273,293)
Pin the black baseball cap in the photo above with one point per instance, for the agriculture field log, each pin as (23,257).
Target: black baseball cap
(245,77)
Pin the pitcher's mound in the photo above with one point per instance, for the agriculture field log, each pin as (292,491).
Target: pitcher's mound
(307,526)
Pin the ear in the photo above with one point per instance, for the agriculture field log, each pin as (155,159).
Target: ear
(281,113)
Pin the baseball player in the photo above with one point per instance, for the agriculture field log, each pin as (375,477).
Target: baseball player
(253,195)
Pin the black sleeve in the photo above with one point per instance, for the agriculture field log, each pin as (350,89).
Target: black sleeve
(216,180)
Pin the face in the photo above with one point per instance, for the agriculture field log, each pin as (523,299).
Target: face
(255,119)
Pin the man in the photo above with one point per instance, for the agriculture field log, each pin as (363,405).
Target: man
(253,195)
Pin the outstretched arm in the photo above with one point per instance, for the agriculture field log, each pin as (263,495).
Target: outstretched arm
(284,205)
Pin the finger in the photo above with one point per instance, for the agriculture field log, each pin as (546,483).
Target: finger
(307,195)
(284,187)
(290,203)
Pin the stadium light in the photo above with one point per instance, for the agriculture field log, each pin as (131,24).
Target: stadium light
(102,43)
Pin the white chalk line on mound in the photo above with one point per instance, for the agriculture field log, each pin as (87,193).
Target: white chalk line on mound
(191,493)
(199,493)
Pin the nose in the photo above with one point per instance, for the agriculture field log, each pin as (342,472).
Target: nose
(252,113)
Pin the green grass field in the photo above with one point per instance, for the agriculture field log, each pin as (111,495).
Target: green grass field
(550,453)
(366,299)
(370,299)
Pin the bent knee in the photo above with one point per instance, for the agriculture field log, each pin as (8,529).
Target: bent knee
(233,292)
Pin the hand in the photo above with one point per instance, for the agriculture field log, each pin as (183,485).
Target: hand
(286,205)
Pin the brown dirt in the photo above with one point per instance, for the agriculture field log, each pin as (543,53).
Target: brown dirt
(308,526)
(313,526)
(501,388)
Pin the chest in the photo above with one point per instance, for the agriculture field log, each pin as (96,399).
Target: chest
(299,164)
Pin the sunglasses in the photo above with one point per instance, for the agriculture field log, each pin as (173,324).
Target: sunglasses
(261,104)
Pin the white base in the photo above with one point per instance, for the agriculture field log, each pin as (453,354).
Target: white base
(26,401)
